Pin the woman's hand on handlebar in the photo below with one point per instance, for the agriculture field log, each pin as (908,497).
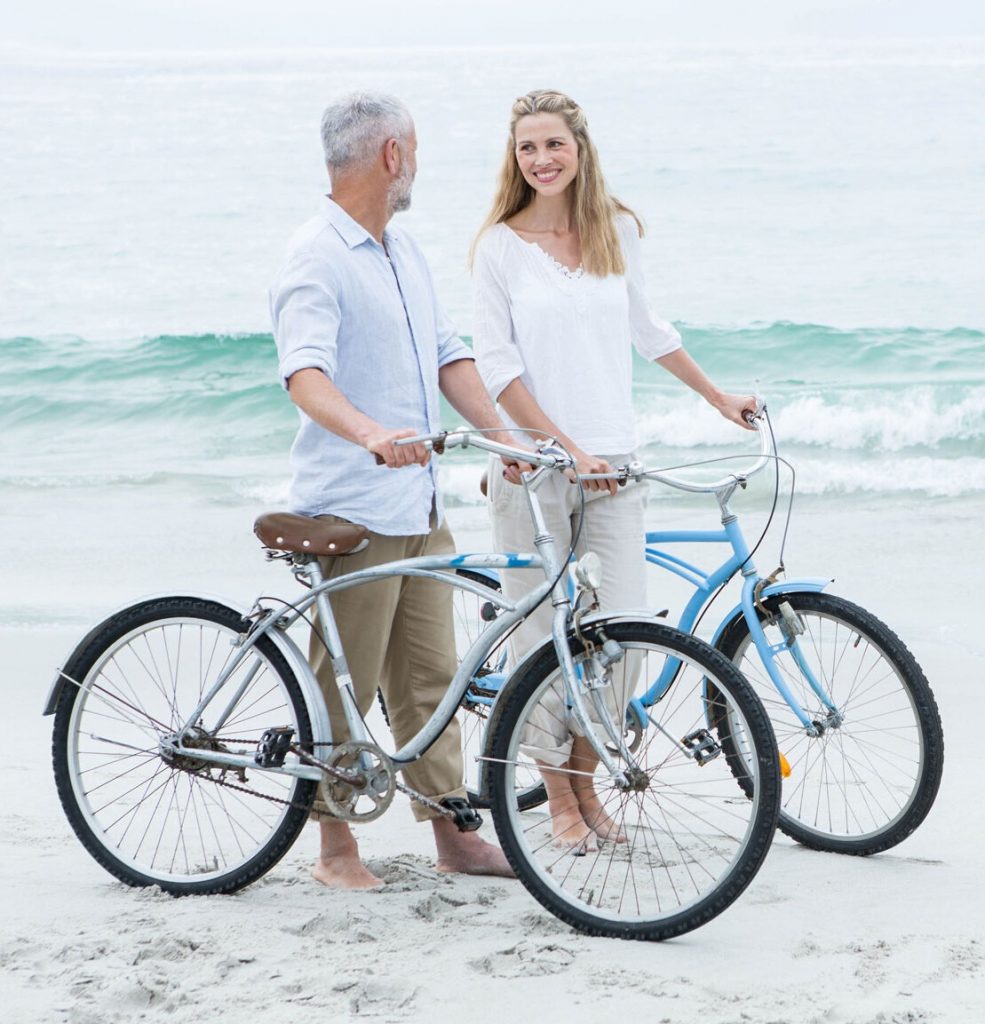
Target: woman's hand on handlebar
(739,409)
(590,464)
(513,467)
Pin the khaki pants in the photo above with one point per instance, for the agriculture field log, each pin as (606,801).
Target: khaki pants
(398,634)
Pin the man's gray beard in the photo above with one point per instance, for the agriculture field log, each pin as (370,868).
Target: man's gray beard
(398,198)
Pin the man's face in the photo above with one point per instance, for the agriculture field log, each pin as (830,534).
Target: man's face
(400,187)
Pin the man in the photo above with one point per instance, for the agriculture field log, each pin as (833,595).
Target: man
(364,348)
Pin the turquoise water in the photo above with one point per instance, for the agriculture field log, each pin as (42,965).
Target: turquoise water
(815,215)
(857,411)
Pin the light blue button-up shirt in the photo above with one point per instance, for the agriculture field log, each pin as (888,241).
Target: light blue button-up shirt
(372,324)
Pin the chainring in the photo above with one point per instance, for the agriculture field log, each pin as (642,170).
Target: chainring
(367,798)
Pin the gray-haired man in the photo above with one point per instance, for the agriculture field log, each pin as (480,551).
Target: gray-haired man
(364,350)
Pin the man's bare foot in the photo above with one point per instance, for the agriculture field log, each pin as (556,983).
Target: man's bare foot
(466,854)
(344,873)
(338,865)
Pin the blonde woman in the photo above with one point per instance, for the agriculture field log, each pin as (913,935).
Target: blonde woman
(560,301)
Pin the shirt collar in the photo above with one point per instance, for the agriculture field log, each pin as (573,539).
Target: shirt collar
(350,231)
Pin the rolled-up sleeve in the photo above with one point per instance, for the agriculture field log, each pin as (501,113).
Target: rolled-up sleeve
(651,336)
(304,310)
(451,348)
(498,358)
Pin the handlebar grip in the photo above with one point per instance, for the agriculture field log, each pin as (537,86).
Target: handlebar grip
(750,417)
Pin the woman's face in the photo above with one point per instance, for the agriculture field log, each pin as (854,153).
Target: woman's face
(546,153)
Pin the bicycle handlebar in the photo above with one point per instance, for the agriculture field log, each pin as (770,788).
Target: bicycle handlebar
(766,454)
(555,457)
(549,456)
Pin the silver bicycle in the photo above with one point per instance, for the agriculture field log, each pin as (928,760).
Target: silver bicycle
(190,736)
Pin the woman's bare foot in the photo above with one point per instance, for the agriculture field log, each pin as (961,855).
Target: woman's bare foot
(570,830)
(594,816)
(338,865)
(466,854)
(567,822)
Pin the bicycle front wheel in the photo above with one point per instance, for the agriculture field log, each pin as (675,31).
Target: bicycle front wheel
(146,816)
(871,776)
(677,846)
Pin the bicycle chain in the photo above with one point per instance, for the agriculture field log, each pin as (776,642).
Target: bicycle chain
(341,776)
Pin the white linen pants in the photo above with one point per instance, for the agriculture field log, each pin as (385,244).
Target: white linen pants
(614,529)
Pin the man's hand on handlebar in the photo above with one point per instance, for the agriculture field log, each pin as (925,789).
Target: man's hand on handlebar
(388,454)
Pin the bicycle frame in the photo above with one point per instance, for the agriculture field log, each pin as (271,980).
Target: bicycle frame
(706,583)
(441,568)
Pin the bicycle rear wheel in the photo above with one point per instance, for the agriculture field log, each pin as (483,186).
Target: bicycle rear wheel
(867,781)
(150,818)
(693,841)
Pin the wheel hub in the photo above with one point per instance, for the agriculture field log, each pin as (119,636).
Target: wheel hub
(195,738)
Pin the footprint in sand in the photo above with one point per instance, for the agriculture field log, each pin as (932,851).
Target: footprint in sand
(525,960)
(377,999)
(437,905)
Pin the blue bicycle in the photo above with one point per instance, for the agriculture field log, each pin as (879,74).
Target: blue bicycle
(858,729)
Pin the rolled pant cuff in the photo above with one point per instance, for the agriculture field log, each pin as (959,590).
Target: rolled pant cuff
(422,813)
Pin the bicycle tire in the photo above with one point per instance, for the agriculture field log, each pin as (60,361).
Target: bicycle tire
(850,790)
(692,843)
(149,821)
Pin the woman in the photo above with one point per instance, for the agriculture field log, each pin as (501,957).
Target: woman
(559,301)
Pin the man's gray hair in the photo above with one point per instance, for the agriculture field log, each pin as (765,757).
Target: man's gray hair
(356,126)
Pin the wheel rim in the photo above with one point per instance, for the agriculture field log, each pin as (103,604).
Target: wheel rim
(856,781)
(175,824)
(686,834)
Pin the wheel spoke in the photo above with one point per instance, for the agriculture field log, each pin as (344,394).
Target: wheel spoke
(870,777)
(688,831)
(149,812)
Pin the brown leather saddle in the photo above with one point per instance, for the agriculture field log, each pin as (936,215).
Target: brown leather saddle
(287,531)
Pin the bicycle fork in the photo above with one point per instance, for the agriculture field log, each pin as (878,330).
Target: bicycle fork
(789,644)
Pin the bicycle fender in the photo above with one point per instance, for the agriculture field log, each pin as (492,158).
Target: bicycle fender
(321,726)
(797,585)
(624,615)
(321,729)
(58,683)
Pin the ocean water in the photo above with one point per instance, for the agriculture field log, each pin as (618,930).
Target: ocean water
(816,228)
(895,412)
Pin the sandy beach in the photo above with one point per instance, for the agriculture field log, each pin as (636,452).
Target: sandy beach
(815,207)
(894,938)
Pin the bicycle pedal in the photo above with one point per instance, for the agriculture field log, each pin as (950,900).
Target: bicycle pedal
(273,747)
(701,746)
(466,817)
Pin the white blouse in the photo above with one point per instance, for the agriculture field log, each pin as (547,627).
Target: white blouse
(566,335)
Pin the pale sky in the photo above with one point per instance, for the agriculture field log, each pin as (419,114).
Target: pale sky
(97,25)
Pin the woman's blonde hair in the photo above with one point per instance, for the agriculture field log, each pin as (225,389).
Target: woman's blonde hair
(594,208)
